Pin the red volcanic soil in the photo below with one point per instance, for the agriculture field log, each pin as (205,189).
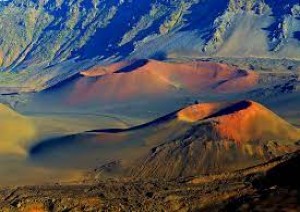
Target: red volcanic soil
(254,122)
(150,78)
(217,138)
(243,121)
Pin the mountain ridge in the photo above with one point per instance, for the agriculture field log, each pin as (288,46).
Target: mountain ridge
(45,42)
(54,31)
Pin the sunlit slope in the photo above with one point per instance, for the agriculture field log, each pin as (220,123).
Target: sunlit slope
(221,139)
(16,131)
(243,122)
(132,82)
(150,77)
(199,139)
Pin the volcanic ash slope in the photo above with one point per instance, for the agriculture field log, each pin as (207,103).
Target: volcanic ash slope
(206,138)
(15,131)
(128,80)
(221,137)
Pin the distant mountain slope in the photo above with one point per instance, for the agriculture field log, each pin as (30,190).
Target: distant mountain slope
(42,33)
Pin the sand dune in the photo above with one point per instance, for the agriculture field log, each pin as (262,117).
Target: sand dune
(16,131)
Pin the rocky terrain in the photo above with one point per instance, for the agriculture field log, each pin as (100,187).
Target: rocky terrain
(266,186)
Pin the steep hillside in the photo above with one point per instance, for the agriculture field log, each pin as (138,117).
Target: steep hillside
(200,139)
(36,36)
(221,139)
